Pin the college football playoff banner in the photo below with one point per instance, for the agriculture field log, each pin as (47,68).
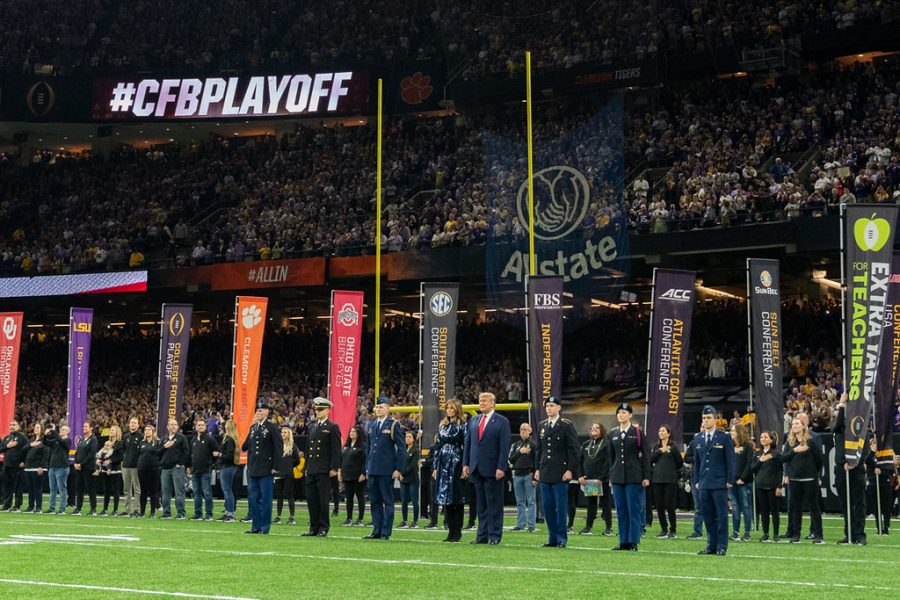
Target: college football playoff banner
(670,336)
(765,326)
(343,357)
(867,245)
(174,338)
(886,380)
(544,301)
(10,342)
(80,325)
(440,302)
(249,328)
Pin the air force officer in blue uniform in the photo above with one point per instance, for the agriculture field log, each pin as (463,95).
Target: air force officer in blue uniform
(386,457)
(485,461)
(713,474)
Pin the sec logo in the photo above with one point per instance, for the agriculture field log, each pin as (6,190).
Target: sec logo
(441,304)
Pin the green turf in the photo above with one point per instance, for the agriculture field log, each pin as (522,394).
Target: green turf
(216,559)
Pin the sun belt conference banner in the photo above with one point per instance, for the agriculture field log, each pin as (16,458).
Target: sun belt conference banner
(765,323)
(887,377)
(440,303)
(670,336)
(867,246)
(10,342)
(343,357)
(544,301)
(174,338)
(249,328)
(80,325)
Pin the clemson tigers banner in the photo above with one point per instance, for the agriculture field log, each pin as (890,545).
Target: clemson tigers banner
(10,341)
(249,327)
(343,358)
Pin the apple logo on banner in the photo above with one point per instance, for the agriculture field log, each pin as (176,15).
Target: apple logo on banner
(871,234)
(250,316)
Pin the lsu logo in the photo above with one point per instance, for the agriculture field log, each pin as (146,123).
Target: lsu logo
(81,327)
(676,295)
(441,303)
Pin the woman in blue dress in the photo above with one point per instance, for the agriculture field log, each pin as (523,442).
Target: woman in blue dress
(448,451)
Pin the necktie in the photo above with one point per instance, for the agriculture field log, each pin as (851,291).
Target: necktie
(481,425)
(708,438)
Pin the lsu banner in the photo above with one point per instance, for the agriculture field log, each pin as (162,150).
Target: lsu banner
(764,291)
(670,336)
(174,338)
(249,328)
(80,325)
(544,303)
(343,357)
(867,245)
(440,303)
(10,342)
(886,383)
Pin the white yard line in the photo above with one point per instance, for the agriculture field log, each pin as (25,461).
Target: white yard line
(103,588)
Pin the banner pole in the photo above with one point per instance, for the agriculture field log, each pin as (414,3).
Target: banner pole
(528,355)
(378,245)
(842,225)
(753,434)
(421,363)
(330,334)
(529,135)
(878,526)
(160,428)
(649,348)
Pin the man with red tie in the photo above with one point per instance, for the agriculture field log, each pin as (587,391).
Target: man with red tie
(485,461)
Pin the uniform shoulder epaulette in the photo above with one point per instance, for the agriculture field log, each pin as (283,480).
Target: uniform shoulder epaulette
(564,420)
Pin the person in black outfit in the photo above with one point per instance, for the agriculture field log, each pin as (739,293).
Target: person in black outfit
(85,465)
(14,447)
(667,461)
(557,455)
(110,469)
(37,460)
(230,460)
(447,452)
(856,477)
(130,480)
(284,476)
(767,470)
(409,483)
(352,473)
(595,465)
(201,458)
(629,475)
(148,470)
(878,482)
(802,460)
(741,494)
(522,466)
(59,444)
(174,454)
(322,464)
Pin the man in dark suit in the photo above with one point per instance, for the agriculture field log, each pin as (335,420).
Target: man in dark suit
(713,475)
(485,461)
(629,474)
(263,447)
(557,458)
(386,457)
(322,463)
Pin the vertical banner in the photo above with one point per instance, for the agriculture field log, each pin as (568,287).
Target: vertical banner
(174,338)
(670,336)
(10,342)
(344,357)
(437,342)
(544,304)
(886,379)
(80,324)
(249,328)
(867,244)
(766,368)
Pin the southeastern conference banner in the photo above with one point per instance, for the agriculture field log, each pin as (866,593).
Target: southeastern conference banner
(174,338)
(765,323)
(249,328)
(440,303)
(80,325)
(344,357)
(867,246)
(544,304)
(886,380)
(670,336)
(10,342)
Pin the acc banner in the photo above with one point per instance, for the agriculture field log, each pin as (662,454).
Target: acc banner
(439,305)
(763,278)
(886,382)
(174,338)
(80,325)
(670,336)
(10,341)
(867,245)
(544,304)
(249,327)
(343,357)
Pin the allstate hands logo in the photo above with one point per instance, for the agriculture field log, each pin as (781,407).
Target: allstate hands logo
(561,198)
(250,316)
(871,234)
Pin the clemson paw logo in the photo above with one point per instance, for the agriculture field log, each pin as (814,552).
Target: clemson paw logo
(250,316)
(416,88)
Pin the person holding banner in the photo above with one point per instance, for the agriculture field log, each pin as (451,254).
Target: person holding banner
(263,447)
(59,444)
(449,485)
(629,475)
(854,477)
(385,458)
(557,456)
(14,447)
(713,476)
(802,460)
(595,463)
(767,471)
(879,493)
(322,463)
(85,465)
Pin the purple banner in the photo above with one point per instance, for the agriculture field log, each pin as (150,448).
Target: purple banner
(886,382)
(80,323)
(174,338)
(670,336)
(544,301)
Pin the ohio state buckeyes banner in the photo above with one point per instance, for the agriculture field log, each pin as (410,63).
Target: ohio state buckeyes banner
(544,301)
(174,338)
(440,303)
(766,349)
(343,357)
(10,342)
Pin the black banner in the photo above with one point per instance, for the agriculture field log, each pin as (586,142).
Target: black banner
(440,303)
(887,380)
(866,245)
(670,336)
(766,368)
(175,337)
(544,304)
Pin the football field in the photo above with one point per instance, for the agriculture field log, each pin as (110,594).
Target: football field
(49,556)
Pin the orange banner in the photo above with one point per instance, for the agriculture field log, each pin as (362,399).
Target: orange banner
(10,340)
(249,327)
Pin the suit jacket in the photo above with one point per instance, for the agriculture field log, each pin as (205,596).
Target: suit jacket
(629,456)
(385,448)
(714,464)
(489,454)
(557,451)
(324,448)
(263,447)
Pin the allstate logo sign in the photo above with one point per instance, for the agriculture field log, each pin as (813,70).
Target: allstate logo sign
(441,304)
(561,199)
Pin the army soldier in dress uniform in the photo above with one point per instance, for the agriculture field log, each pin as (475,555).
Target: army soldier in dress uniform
(263,447)
(629,474)
(557,459)
(385,458)
(323,460)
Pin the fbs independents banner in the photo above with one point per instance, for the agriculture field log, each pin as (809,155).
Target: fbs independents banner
(544,301)
(80,324)
(10,341)
(670,336)
(766,350)
(344,357)
(438,342)
(249,328)
(867,246)
(174,338)
(886,383)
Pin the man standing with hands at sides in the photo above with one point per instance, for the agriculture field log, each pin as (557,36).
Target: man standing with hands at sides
(173,456)
(386,457)
(263,447)
(629,474)
(131,442)
(557,460)
(522,463)
(485,461)
(85,465)
(713,476)
(323,460)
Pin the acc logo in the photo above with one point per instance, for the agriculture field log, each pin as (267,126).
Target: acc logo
(40,99)
(250,316)
(9,328)
(441,304)
(347,315)
(561,198)
(176,324)
(765,278)
(81,327)
(676,295)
